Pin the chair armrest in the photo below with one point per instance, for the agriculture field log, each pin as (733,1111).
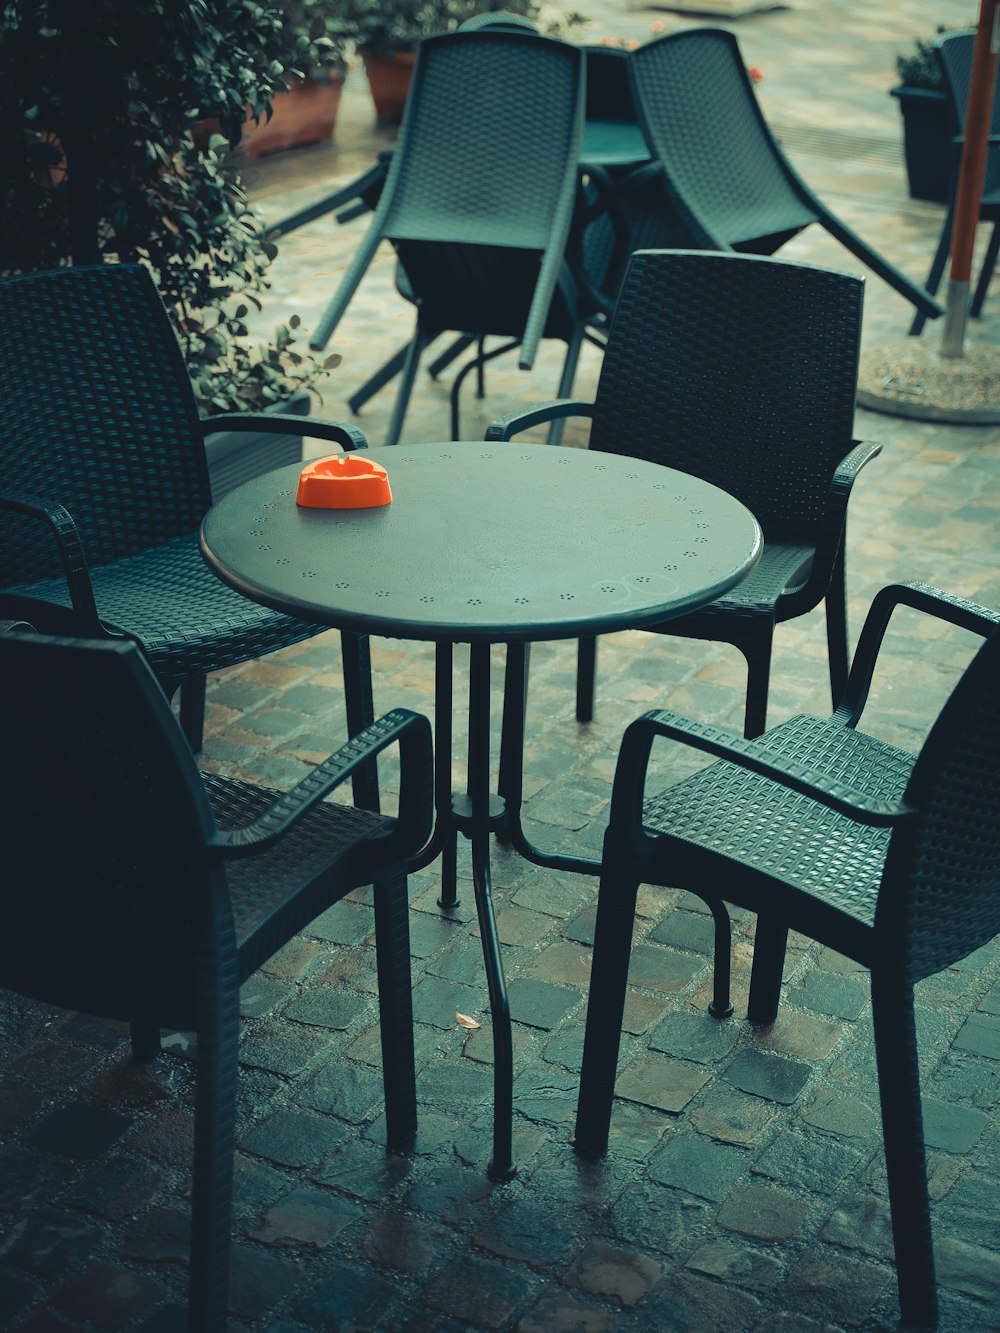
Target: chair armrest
(633,761)
(412,827)
(71,552)
(835,509)
(830,538)
(287,423)
(502,428)
(920,597)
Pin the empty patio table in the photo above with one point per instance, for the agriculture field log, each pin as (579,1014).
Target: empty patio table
(486,544)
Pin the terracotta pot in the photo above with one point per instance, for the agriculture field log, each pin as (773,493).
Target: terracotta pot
(306,113)
(389,80)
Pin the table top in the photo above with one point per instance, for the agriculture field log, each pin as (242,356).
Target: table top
(488,542)
(613,143)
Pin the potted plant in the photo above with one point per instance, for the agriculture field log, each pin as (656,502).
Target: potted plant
(386,36)
(927,123)
(98,163)
(306,112)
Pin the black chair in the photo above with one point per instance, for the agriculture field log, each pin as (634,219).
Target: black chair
(722,168)
(479,198)
(139,891)
(105,484)
(890,860)
(954,55)
(740,370)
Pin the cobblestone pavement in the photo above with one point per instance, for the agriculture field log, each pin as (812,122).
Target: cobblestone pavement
(744,1188)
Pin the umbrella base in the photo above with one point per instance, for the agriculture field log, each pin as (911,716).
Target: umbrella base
(909,378)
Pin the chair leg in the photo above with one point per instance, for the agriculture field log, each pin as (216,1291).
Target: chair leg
(937,269)
(722,1005)
(566,382)
(515,709)
(454,349)
(212,1188)
(765,976)
(605,1008)
(986,272)
(392,949)
(193,711)
(586,679)
(758,683)
(477,364)
(388,371)
(903,1136)
(145,1042)
(836,628)
(355,651)
(407,376)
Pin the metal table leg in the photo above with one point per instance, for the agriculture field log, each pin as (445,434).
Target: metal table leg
(478,818)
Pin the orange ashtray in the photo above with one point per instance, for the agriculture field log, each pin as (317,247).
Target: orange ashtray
(343,481)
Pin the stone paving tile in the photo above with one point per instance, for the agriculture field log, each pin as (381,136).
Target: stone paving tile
(744,1186)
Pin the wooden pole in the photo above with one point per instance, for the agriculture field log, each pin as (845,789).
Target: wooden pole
(971,172)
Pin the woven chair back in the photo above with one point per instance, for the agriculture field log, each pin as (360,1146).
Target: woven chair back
(740,370)
(480,192)
(722,166)
(98,413)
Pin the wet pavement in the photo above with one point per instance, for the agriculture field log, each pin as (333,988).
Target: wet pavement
(744,1188)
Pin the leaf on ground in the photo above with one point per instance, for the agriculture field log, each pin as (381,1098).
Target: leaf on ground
(464,1021)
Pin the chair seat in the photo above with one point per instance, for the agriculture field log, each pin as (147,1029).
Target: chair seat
(752,823)
(782,569)
(264,916)
(195,623)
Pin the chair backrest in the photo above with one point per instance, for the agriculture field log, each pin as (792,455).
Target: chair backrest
(480,192)
(498,20)
(954,55)
(725,172)
(98,414)
(108,893)
(739,369)
(941,888)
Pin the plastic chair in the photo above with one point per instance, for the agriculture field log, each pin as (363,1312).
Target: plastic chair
(954,55)
(892,861)
(722,168)
(479,197)
(147,894)
(740,370)
(105,483)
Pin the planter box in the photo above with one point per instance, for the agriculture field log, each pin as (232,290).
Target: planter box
(389,81)
(927,142)
(306,113)
(234,456)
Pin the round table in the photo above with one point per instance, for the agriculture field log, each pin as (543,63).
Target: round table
(483,544)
